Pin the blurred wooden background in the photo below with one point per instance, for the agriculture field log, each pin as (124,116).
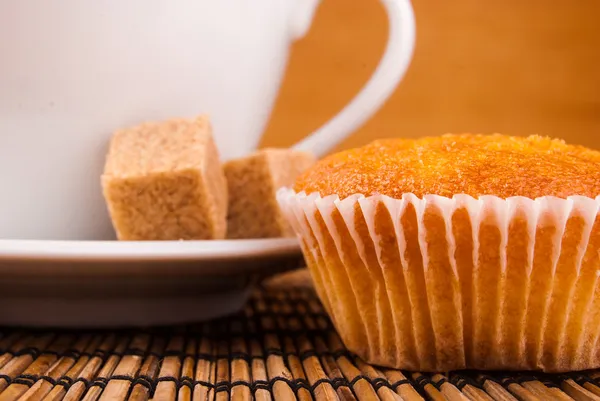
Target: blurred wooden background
(511,66)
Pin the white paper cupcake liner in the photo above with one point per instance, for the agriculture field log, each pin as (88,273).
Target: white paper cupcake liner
(437,284)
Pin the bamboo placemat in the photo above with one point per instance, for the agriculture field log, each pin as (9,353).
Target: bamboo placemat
(281,347)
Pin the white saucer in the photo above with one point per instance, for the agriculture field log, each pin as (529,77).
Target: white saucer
(123,283)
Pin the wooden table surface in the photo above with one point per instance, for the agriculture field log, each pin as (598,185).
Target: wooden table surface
(510,66)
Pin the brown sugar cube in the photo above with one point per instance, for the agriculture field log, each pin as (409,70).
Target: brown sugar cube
(164,181)
(252,184)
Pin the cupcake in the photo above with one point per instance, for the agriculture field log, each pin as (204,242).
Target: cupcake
(457,252)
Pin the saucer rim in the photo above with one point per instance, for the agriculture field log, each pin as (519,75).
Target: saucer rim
(147,250)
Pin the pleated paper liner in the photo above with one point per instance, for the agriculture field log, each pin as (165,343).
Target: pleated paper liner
(281,347)
(439,284)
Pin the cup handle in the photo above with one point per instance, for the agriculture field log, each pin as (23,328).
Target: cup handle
(389,72)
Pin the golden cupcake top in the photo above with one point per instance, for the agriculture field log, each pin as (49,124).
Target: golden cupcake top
(471,164)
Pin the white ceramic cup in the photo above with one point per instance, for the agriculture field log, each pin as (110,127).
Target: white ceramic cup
(73,71)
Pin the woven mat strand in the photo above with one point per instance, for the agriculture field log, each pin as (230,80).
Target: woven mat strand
(281,347)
